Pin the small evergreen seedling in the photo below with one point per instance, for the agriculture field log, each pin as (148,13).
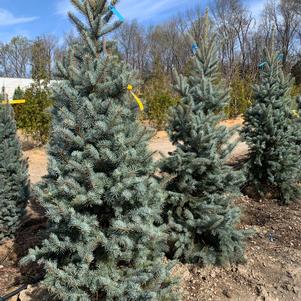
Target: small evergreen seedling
(103,205)
(199,212)
(270,132)
(14,184)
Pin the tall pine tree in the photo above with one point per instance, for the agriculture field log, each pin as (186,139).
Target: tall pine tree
(14,184)
(269,130)
(103,206)
(199,212)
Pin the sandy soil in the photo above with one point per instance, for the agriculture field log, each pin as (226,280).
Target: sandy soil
(159,144)
(37,159)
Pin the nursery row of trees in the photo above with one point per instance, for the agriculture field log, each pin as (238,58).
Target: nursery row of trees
(113,214)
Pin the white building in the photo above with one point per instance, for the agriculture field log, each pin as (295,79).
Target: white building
(10,84)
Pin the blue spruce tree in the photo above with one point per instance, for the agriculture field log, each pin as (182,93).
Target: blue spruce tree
(270,132)
(199,212)
(14,184)
(103,205)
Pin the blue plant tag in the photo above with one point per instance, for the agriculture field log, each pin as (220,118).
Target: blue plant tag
(113,9)
(194,48)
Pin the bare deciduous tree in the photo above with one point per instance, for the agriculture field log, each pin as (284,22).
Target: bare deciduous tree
(168,45)
(284,16)
(15,57)
(42,56)
(234,24)
(133,43)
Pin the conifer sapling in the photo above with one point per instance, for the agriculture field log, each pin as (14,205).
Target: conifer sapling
(270,132)
(104,208)
(200,214)
(14,183)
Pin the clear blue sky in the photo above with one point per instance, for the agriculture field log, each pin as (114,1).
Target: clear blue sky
(35,17)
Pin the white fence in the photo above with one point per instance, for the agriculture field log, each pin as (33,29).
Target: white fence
(10,84)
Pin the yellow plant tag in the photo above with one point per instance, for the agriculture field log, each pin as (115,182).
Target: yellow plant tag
(295,113)
(13,102)
(139,102)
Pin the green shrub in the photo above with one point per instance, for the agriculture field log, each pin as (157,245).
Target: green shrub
(294,93)
(33,116)
(296,72)
(296,90)
(19,93)
(240,95)
(159,97)
(158,103)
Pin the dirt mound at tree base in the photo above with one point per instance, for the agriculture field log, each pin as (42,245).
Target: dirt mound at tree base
(273,268)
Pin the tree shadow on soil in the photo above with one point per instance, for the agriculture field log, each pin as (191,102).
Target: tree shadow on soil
(30,234)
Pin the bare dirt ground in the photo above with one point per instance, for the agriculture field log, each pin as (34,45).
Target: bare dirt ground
(160,144)
(273,260)
(37,159)
(273,255)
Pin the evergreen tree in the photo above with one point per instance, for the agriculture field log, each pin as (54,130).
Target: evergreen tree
(269,130)
(19,93)
(159,96)
(199,212)
(3,95)
(103,205)
(33,117)
(18,110)
(14,184)
(240,95)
